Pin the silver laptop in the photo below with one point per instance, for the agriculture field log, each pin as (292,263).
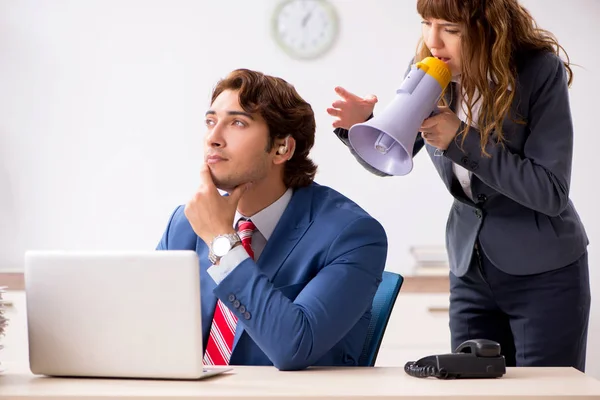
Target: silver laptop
(115,314)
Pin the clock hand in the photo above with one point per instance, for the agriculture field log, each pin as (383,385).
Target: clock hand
(307,17)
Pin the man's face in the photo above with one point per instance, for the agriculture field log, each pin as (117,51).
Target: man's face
(235,143)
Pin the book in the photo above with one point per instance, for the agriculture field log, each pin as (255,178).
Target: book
(429,260)
(3,323)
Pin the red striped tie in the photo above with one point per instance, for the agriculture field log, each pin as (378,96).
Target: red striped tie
(222,330)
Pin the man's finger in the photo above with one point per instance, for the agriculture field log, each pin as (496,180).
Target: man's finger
(237,193)
(206,177)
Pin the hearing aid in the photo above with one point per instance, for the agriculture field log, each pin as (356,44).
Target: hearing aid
(284,148)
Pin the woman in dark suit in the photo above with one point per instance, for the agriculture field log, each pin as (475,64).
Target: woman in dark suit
(503,145)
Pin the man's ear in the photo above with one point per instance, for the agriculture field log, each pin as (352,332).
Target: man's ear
(285,150)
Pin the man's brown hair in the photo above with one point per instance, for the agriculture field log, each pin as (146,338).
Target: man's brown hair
(285,112)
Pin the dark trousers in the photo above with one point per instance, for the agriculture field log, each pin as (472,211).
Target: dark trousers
(539,320)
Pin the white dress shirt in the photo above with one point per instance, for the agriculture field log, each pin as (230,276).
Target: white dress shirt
(462,174)
(265,221)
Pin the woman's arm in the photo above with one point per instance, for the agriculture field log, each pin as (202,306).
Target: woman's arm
(342,134)
(540,177)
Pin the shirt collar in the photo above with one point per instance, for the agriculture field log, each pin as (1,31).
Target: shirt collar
(266,219)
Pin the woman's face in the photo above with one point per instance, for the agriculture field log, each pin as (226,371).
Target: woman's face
(443,39)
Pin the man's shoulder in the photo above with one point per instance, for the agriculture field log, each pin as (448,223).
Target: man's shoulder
(338,219)
(178,215)
(179,234)
(330,202)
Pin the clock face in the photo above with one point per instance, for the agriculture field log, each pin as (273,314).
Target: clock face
(305,29)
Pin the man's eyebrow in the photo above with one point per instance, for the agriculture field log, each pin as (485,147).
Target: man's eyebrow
(242,113)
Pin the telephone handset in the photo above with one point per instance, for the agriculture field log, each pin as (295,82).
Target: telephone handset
(476,358)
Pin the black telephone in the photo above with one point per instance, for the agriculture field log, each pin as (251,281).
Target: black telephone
(477,358)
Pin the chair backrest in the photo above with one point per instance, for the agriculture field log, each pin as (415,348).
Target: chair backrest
(383,303)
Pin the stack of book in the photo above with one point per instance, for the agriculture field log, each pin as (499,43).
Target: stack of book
(3,323)
(430,260)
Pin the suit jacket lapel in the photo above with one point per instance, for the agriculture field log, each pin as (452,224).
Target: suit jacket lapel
(289,230)
(292,226)
(442,164)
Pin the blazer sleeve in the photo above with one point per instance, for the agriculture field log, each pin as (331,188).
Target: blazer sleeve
(342,134)
(179,234)
(540,177)
(296,334)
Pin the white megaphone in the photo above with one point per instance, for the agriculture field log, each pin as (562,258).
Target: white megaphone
(386,142)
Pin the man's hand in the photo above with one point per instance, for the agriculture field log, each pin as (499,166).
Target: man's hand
(209,213)
(440,129)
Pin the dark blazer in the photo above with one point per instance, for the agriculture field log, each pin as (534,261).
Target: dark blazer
(522,214)
(307,300)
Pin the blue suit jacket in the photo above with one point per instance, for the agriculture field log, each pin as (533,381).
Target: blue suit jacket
(307,300)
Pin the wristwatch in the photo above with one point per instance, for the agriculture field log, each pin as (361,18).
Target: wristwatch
(221,246)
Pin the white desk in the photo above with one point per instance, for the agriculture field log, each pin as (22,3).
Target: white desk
(336,383)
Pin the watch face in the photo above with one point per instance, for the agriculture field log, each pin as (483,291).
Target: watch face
(221,246)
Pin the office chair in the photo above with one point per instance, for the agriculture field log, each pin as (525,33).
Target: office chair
(383,303)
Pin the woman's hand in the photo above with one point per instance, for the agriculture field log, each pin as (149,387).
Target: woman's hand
(440,130)
(351,109)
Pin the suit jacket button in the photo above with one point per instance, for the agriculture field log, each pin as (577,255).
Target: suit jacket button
(464,161)
(242,309)
(231,297)
(247,315)
(237,304)
(482,197)
(478,213)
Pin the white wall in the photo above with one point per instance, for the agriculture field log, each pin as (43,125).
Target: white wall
(101,106)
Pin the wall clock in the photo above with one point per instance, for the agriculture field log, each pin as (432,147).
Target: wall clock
(305,29)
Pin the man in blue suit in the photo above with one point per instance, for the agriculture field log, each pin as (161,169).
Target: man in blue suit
(289,268)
